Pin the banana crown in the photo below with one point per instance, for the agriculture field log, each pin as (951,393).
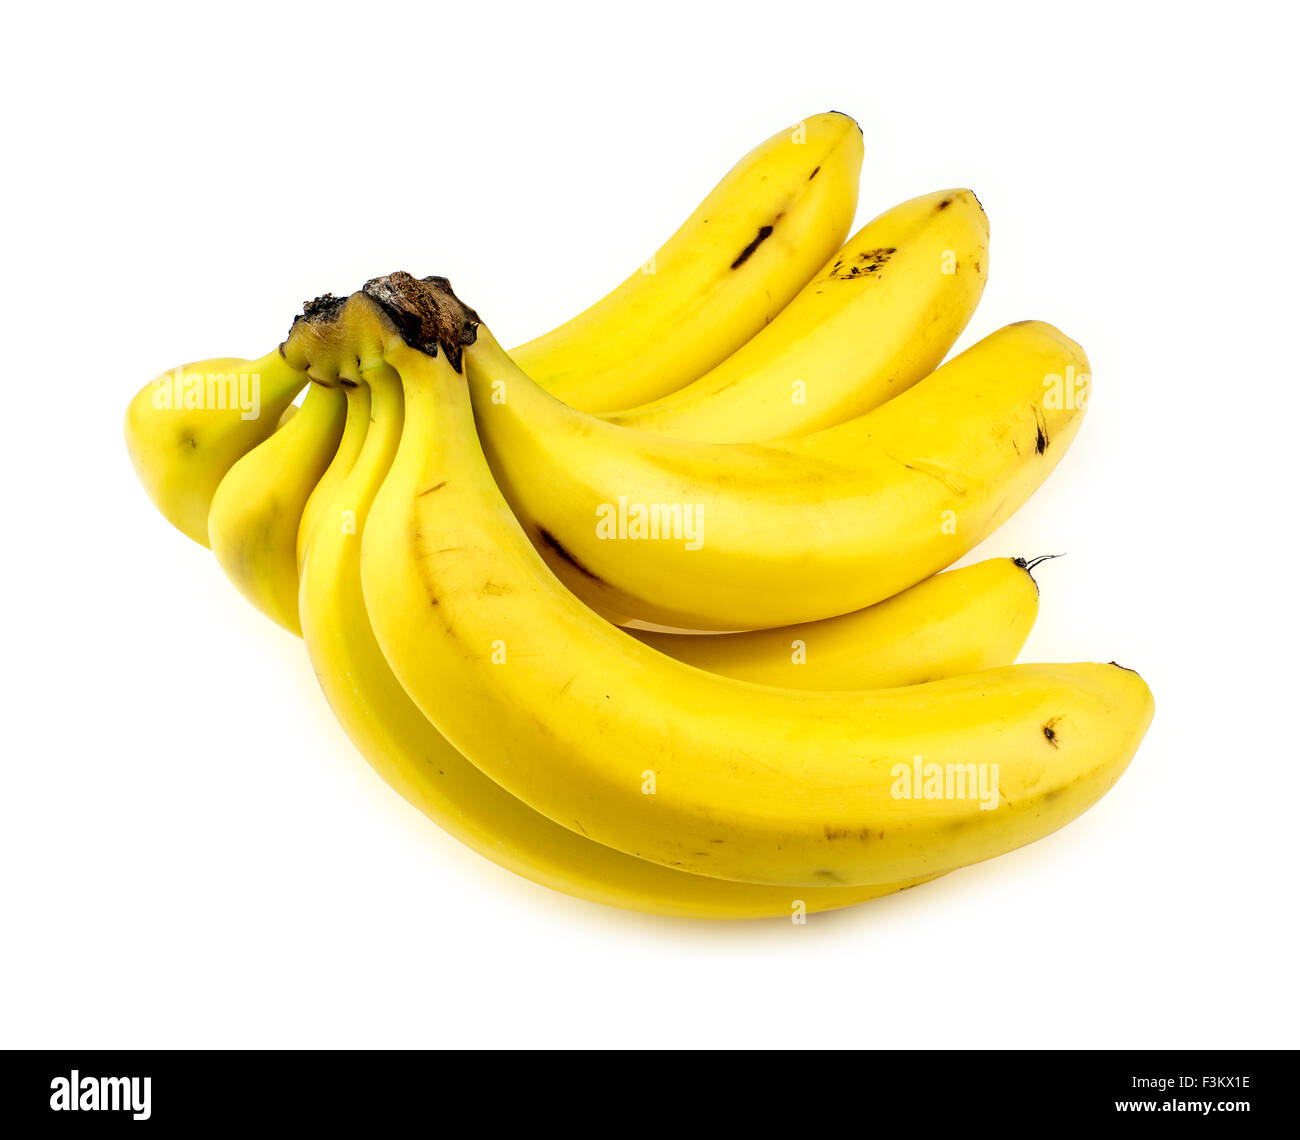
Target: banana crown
(337,340)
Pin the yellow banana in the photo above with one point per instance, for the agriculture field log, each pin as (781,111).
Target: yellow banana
(355,426)
(612,739)
(415,759)
(748,248)
(255,514)
(962,621)
(737,536)
(186,428)
(880,315)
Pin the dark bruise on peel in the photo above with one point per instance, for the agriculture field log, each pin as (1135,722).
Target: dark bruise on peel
(813,175)
(866,264)
(748,251)
(555,545)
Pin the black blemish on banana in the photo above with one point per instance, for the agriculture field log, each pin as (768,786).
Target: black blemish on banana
(560,550)
(748,251)
(868,262)
(1042,440)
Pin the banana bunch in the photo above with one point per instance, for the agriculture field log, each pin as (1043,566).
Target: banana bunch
(650,609)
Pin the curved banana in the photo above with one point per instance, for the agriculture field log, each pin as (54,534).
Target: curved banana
(186,428)
(415,759)
(880,315)
(255,514)
(737,536)
(958,622)
(355,426)
(748,248)
(610,738)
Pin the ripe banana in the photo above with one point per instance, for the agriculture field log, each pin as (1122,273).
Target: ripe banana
(962,621)
(186,428)
(748,248)
(412,756)
(355,427)
(880,315)
(735,536)
(652,757)
(255,514)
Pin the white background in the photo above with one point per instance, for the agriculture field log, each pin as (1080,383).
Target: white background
(192,854)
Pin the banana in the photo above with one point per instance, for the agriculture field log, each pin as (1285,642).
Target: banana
(414,758)
(963,621)
(355,426)
(735,536)
(610,738)
(256,511)
(748,248)
(880,315)
(186,428)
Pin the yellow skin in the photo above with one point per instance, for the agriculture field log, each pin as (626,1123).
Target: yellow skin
(881,314)
(750,783)
(962,621)
(355,426)
(415,759)
(731,267)
(182,453)
(255,515)
(787,532)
